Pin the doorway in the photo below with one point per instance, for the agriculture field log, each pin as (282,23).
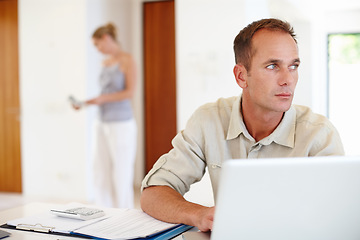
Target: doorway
(160,79)
(10,157)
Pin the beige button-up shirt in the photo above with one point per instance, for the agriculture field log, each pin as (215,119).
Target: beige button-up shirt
(216,132)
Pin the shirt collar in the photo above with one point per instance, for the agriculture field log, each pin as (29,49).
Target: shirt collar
(237,125)
(284,134)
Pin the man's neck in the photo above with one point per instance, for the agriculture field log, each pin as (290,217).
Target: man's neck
(260,124)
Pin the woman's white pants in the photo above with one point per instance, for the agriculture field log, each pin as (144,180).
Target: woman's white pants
(114,160)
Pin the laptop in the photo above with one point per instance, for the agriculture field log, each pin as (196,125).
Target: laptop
(316,198)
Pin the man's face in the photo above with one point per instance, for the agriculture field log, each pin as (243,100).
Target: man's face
(273,74)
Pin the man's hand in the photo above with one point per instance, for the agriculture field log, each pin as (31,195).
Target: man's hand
(166,204)
(205,219)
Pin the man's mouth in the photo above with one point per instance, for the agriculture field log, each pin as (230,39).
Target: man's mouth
(284,95)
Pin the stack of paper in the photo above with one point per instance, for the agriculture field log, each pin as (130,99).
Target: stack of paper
(116,224)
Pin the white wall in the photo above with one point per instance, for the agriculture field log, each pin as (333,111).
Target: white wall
(52,66)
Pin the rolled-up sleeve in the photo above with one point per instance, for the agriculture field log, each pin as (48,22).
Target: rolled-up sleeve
(184,164)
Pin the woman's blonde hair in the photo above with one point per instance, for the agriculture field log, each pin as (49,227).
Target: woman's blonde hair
(108,29)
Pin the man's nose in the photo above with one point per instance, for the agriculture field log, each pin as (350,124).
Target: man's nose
(287,77)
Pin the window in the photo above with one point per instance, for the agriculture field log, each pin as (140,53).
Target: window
(344,88)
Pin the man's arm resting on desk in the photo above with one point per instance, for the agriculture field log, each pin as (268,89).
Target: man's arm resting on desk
(166,204)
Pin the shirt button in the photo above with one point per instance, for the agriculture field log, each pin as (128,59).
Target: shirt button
(256,147)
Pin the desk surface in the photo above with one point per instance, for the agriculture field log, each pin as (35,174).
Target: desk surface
(28,210)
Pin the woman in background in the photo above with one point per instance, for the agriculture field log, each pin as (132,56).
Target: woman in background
(115,136)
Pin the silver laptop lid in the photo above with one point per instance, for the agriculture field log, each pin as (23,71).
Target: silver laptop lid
(289,198)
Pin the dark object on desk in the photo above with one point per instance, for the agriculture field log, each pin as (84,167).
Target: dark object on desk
(4,234)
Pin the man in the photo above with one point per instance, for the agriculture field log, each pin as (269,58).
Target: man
(260,123)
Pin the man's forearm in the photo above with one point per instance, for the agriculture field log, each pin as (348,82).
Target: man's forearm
(165,204)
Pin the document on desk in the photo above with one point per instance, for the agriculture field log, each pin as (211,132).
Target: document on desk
(116,224)
(128,225)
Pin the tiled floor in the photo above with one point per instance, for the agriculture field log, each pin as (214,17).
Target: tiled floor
(11,200)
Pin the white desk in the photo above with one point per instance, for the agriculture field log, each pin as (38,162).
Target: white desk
(28,210)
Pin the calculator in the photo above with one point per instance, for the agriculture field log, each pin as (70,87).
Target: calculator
(81,213)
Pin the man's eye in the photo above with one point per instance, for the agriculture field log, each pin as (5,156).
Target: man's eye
(294,67)
(272,66)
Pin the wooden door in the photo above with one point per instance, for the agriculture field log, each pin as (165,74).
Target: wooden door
(10,158)
(160,79)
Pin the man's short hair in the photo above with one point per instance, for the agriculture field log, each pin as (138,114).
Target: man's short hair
(243,44)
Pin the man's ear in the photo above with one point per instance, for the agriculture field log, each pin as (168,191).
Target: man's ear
(240,74)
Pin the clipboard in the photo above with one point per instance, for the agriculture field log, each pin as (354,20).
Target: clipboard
(164,235)
(37,228)
(144,226)
(5,226)
(169,234)
(176,231)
